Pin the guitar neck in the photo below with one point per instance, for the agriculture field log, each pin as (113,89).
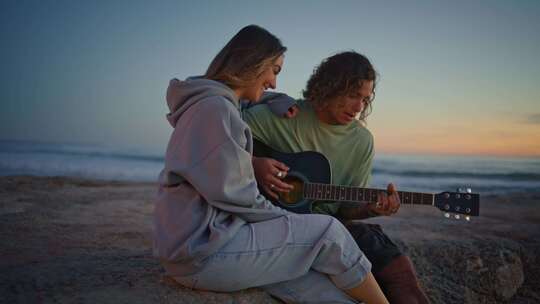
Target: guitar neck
(327,192)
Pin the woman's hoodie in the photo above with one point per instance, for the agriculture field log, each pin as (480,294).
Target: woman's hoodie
(207,189)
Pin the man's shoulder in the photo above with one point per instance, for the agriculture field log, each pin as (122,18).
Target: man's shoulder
(361,132)
(305,105)
(260,116)
(258,110)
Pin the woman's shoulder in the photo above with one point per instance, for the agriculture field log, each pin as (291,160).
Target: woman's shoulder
(218,105)
(214,112)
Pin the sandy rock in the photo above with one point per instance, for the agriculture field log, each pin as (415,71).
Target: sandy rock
(469,271)
(77,241)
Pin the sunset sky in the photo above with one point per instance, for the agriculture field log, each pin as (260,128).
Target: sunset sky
(456,77)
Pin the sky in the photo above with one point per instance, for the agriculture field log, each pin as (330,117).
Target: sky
(455,77)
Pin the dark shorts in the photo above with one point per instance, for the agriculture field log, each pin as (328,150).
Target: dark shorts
(375,244)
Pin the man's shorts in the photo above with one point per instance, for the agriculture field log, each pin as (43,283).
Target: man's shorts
(375,244)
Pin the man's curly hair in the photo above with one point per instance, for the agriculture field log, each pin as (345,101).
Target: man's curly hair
(340,75)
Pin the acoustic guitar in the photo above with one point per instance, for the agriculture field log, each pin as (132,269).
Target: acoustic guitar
(311,176)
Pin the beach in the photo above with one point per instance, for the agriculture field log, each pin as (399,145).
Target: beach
(74,240)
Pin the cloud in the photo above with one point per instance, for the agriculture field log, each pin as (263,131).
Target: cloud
(534,118)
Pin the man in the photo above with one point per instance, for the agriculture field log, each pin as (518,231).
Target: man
(331,120)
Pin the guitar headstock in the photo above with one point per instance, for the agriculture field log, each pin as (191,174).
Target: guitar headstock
(459,203)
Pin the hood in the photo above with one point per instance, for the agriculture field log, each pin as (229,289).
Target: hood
(181,95)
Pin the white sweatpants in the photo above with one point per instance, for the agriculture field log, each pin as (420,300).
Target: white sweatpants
(303,248)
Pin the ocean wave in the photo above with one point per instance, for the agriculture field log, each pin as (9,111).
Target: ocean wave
(514,176)
(30,148)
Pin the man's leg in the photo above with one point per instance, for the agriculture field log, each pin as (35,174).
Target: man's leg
(399,282)
(393,271)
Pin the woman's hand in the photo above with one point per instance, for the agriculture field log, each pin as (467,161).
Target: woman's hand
(387,204)
(291,112)
(269,173)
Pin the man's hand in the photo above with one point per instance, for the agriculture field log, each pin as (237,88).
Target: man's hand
(269,173)
(387,203)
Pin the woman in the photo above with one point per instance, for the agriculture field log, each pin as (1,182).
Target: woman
(213,229)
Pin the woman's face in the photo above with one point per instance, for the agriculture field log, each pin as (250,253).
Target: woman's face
(345,109)
(266,80)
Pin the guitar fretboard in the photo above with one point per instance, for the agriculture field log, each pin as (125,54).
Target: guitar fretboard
(327,192)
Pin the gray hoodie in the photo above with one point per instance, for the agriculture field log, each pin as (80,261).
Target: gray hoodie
(207,189)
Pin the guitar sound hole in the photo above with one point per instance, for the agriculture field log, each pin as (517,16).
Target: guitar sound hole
(294,196)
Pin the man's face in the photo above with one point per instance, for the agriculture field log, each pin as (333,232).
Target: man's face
(343,110)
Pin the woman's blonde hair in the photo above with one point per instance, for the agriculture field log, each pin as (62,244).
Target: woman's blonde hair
(245,57)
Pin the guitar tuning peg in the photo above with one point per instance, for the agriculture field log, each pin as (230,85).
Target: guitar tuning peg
(456,216)
(447,215)
(469,190)
(468,218)
(459,190)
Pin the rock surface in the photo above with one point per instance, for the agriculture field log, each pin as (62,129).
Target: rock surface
(78,241)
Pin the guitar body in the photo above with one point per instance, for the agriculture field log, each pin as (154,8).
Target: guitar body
(305,167)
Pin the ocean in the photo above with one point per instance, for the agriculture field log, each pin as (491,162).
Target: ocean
(420,173)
